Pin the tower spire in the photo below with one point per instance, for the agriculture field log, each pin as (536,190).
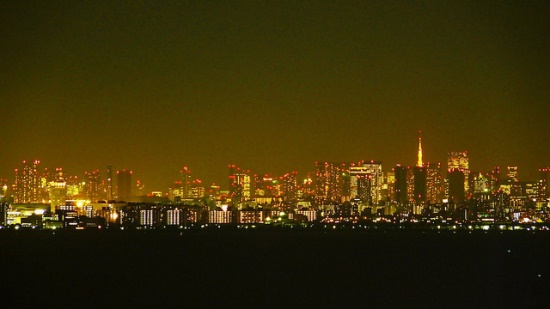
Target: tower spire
(419,163)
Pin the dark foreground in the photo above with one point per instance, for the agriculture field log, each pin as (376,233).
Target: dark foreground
(381,269)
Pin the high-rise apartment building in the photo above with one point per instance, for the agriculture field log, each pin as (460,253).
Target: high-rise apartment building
(93,185)
(27,183)
(329,182)
(109,183)
(290,188)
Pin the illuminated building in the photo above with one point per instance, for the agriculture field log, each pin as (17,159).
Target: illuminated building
(174,216)
(269,189)
(513,181)
(239,185)
(310,215)
(4,190)
(4,207)
(543,188)
(251,216)
(93,185)
(529,190)
(266,189)
(74,187)
(400,184)
(434,183)
(220,216)
(58,193)
(460,161)
(307,189)
(59,174)
(410,184)
(420,181)
(186,181)
(290,188)
(329,182)
(456,186)
(214,191)
(196,190)
(109,184)
(149,216)
(366,182)
(388,189)
(482,184)
(43,181)
(512,174)
(174,192)
(177,216)
(27,183)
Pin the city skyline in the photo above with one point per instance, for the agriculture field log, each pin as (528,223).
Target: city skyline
(425,172)
(156,86)
(303,172)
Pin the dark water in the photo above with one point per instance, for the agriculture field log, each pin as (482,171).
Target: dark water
(414,269)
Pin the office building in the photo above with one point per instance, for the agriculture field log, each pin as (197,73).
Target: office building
(366,182)
(239,185)
(434,183)
(401,174)
(459,160)
(124,185)
(457,194)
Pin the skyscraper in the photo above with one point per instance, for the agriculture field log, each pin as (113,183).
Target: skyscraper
(27,183)
(93,185)
(460,161)
(186,182)
(366,182)
(124,185)
(58,193)
(401,184)
(544,184)
(512,174)
(434,183)
(420,177)
(109,184)
(239,185)
(456,185)
(290,188)
(329,182)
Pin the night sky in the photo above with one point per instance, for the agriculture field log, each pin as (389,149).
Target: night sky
(272,86)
